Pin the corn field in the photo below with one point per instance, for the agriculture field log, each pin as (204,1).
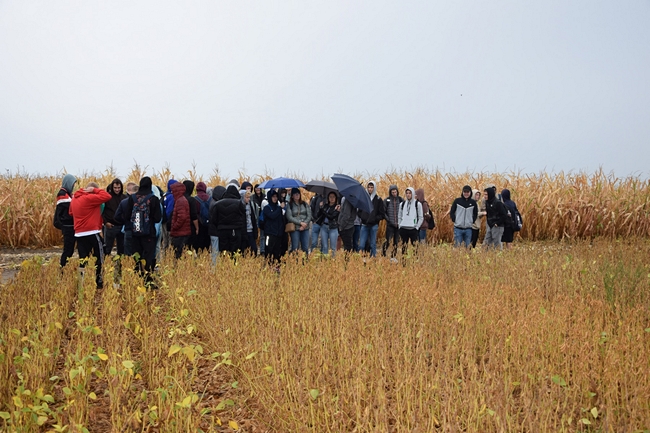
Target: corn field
(564,206)
(547,337)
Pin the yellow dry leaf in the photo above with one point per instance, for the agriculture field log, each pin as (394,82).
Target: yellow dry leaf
(102,356)
(92,396)
(233,425)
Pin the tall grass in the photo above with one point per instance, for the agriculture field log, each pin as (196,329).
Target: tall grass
(554,206)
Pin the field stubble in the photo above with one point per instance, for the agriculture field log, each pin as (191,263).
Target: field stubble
(547,337)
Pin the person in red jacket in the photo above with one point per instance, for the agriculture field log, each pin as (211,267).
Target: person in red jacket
(181,221)
(86,209)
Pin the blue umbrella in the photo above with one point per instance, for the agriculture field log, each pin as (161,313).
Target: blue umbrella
(282,182)
(353,192)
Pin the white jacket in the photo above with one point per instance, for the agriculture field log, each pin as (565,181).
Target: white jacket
(410,213)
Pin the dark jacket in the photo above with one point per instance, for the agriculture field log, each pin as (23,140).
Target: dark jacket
(347,215)
(155,212)
(511,207)
(328,211)
(497,213)
(120,214)
(378,213)
(195,206)
(391,205)
(62,217)
(273,218)
(314,205)
(463,212)
(111,206)
(217,194)
(229,213)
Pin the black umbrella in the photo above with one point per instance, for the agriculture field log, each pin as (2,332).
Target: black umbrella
(353,191)
(321,187)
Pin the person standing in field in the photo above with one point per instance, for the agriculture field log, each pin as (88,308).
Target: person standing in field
(370,221)
(273,227)
(229,214)
(180,220)
(145,212)
(202,241)
(86,209)
(168,208)
(496,220)
(194,213)
(112,229)
(62,218)
(410,219)
(315,204)
(476,226)
(463,213)
(249,233)
(509,228)
(327,216)
(260,201)
(347,216)
(124,219)
(428,218)
(392,207)
(299,213)
(217,194)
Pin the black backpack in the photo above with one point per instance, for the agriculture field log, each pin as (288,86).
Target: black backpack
(416,208)
(140,215)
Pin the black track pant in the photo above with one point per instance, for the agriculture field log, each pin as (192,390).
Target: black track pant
(68,244)
(92,244)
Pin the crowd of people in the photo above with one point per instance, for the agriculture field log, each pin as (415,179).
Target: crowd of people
(142,219)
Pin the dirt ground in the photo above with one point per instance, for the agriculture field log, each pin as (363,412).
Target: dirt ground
(10,259)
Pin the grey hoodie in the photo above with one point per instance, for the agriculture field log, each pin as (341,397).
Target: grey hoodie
(410,214)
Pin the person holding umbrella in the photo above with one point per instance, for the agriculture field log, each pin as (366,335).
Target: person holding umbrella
(273,227)
(370,220)
(299,213)
(328,215)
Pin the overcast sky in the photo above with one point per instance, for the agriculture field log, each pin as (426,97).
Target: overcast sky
(321,87)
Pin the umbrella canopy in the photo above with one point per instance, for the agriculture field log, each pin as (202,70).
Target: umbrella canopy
(282,182)
(321,187)
(353,191)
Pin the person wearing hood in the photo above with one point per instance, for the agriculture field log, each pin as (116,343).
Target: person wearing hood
(62,218)
(217,194)
(125,220)
(258,195)
(497,215)
(370,221)
(328,215)
(181,222)
(476,227)
(249,232)
(229,215)
(273,226)
(511,222)
(194,212)
(112,229)
(86,210)
(298,212)
(392,207)
(168,208)
(144,240)
(410,219)
(246,186)
(463,213)
(428,216)
(202,240)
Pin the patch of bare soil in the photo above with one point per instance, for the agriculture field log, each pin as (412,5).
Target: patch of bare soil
(11,258)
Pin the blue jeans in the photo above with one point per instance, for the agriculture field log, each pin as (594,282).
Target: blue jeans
(369,233)
(462,236)
(423,236)
(302,238)
(262,242)
(214,250)
(315,234)
(328,236)
(355,238)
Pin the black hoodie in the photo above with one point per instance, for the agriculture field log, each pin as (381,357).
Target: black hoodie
(111,206)
(496,210)
(229,213)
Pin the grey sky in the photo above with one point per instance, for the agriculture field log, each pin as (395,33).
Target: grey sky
(321,87)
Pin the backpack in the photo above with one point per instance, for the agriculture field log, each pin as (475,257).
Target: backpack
(140,215)
(204,213)
(432,221)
